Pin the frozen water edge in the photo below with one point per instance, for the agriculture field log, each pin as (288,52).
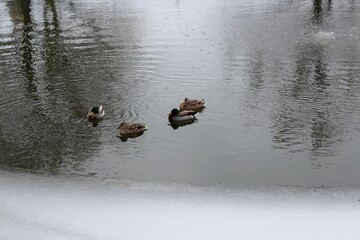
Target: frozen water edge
(39,207)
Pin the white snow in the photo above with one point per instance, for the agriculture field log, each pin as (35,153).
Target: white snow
(60,207)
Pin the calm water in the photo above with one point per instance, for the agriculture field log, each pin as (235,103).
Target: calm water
(281,78)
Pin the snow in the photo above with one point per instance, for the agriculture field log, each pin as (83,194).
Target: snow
(68,207)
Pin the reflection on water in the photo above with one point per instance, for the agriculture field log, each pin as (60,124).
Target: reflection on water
(280,78)
(44,129)
(176,125)
(309,94)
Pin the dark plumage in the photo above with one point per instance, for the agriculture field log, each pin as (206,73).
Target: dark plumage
(96,113)
(181,116)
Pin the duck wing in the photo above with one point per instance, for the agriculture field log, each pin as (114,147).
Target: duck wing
(187,113)
(195,102)
(129,129)
(140,126)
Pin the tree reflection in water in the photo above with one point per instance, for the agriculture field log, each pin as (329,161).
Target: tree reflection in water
(43,135)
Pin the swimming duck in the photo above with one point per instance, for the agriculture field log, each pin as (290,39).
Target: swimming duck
(131,129)
(177,116)
(194,104)
(96,113)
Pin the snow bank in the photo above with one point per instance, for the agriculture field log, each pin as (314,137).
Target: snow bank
(52,207)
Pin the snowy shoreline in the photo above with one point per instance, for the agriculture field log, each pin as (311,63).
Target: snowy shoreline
(60,207)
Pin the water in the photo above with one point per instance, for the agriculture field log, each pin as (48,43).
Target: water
(281,79)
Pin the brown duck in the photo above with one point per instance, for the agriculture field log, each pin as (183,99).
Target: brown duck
(131,129)
(194,105)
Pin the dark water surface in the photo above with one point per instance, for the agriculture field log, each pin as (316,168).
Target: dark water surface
(281,78)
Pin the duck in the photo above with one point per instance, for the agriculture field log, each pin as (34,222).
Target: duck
(195,105)
(177,116)
(131,129)
(96,113)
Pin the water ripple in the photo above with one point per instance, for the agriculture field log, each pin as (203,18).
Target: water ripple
(280,79)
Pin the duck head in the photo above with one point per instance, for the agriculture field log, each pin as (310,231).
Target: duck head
(123,124)
(98,109)
(174,112)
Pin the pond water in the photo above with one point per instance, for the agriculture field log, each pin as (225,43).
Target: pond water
(281,79)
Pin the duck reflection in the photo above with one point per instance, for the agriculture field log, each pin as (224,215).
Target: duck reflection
(96,122)
(176,125)
(126,137)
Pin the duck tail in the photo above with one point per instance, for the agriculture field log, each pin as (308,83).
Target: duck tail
(193,113)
